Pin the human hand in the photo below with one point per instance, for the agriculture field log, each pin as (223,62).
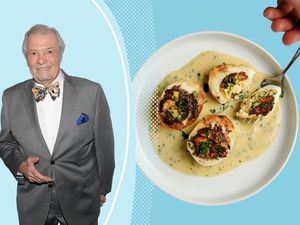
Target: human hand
(28,169)
(285,18)
(102,199)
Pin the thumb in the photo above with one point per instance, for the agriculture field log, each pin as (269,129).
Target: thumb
(35,160)
(296,4)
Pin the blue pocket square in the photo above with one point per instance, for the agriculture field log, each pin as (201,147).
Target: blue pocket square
(83,118)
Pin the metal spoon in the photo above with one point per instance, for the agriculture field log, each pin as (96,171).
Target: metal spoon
(278,80)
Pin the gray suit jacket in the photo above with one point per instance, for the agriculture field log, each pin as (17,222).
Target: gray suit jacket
(82,162)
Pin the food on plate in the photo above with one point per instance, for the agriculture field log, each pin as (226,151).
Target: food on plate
(229,81)
(171,144)
(180,104)
(211,140)
(260,103)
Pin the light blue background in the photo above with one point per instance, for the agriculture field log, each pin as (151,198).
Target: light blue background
(276,204)
(91,52)
(279,202)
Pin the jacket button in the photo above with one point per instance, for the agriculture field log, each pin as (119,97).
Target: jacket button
(50,185)
(52,162)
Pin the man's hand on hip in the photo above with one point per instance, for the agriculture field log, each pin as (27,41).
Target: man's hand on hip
(28,169)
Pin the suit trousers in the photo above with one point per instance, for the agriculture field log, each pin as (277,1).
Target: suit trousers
(55,215)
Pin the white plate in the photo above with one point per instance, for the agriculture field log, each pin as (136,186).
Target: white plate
(239,183)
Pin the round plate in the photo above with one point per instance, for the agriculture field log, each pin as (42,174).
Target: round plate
(241,182)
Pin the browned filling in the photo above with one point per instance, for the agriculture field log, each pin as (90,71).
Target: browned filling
(211,143)
(265,106)
(233,79)
(185,105)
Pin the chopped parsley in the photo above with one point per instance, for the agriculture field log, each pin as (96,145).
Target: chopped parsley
(203,148)
(224,106)
(212,111)
(198,74)
(242,96)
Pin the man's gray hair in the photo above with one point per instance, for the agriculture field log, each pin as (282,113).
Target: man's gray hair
(43,29)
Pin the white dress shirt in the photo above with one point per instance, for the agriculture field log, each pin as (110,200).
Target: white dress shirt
(49,113)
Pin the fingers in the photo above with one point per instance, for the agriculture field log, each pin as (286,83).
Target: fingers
(283,24)
(282,10)
(28,169)
(291,36)
(296,11)
(285,18)
(102,199)
(35,176)
(34,160)
(272,13)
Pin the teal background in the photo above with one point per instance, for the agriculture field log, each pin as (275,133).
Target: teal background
(91,52)
(279,202)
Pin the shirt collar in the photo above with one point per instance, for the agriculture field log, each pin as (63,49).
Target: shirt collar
(60,78)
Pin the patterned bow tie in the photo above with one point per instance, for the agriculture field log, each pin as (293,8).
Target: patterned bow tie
(40,92)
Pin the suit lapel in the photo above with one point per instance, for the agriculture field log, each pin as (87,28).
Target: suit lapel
(67,110)
(30,106)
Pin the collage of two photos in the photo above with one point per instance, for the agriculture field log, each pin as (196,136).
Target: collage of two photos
(145,113)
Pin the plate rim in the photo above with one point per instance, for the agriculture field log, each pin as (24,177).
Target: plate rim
(271,178)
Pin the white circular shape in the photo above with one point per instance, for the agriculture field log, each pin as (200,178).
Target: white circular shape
(239,183)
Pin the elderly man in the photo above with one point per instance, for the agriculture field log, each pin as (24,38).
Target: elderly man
(56,138)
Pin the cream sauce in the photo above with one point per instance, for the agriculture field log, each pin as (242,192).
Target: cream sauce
(250,141)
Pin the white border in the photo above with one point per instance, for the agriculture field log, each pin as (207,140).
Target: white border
(128,107)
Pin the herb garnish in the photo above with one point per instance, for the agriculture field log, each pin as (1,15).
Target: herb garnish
(203,148)
(212,111)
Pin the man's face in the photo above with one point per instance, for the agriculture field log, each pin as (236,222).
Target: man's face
(43,57)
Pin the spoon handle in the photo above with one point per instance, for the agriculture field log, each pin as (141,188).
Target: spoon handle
(296,55)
